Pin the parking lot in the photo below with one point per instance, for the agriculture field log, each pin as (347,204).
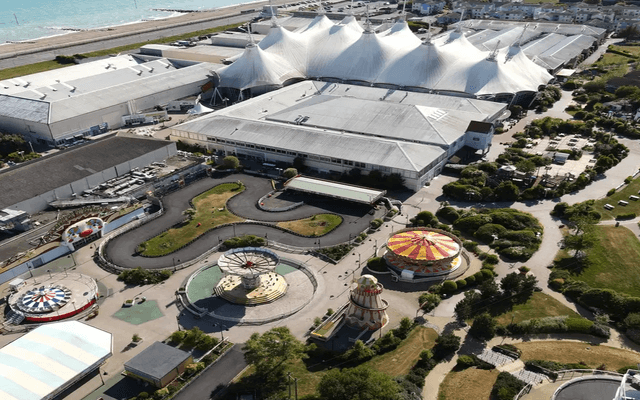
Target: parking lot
(548,147)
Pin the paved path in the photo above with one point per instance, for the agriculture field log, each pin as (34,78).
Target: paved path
(122,249)
(220,374)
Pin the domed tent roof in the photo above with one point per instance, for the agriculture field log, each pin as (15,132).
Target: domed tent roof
(402,35)
(288,45)
(257,68)
(364,60)
(319,25)
(423,66)
(323,53)
(350,22)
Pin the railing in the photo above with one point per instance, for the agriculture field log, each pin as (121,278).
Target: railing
(525,390)
(562,375)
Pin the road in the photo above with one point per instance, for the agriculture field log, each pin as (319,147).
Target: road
(108,43)
(221,373)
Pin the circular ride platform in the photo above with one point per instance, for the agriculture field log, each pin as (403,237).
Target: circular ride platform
(250,276)
(53,298)
(424,251)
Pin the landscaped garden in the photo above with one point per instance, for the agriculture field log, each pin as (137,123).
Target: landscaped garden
(209,210)
(511,233)
(568,352)
(613,197)
(316,225)
(539,305)
(611,262)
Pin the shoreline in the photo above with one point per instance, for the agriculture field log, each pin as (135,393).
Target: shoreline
(72,38)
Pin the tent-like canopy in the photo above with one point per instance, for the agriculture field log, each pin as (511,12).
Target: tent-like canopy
(396,57)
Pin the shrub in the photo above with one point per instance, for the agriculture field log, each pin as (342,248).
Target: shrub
(465,362)
(470,246)
(244,241)
(625,216)
(230,162)
(375,224)
(377,264)
(460,283)
(448,213)
(492,259)
(177,336)
(487,274)
(429,301)
(290,173)
(471,280)
(449,287)
(336,252)
(632,321)
(628,179)
(480,276)
(611,192)
(506,387)
(141,276)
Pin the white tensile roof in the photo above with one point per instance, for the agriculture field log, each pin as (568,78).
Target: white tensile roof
(47,359)
(345,51)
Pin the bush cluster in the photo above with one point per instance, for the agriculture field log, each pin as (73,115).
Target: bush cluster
(506,387)
(377,264)
(560,324)
(194,338)
(336,252)
(471,360)
(510,232)
(244,241)
(139,276)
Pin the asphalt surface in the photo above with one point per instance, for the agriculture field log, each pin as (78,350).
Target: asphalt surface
(121,250)
(221,373)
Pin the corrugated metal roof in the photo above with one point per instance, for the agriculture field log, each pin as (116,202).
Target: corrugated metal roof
(335,189)
(157,360)
(65,167)
(38,363)
(24,109)
(353,147)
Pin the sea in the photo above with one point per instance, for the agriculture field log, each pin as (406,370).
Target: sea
(24,20)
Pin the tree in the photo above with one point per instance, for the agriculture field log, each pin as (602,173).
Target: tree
(582,237)
(489,290)
(507,190)
(629,32)
(359,352)
(290,173)
(361,383)
(231,162)
(446,345)
(526,166)
(483,327)
(511,284)
(268,352)
(466,307)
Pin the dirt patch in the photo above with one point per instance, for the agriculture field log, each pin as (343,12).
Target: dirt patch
(573,352)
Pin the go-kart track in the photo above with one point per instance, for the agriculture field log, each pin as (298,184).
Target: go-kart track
(121,250)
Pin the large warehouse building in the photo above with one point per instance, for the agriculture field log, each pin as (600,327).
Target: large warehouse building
(31,186)
(338,127)
(87,99)
(43,363)
(551,45)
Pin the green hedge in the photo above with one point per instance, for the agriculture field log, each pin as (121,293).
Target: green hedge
(506,387)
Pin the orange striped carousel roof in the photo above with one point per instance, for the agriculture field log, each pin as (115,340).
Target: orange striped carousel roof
(423,245)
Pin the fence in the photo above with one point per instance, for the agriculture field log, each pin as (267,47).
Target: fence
(525,390)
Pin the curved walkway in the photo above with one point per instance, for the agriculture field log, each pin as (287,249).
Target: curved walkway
(122,249)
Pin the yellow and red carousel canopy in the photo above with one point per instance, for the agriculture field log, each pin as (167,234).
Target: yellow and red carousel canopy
(423,245)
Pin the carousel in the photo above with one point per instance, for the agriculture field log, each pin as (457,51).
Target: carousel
(423,252)
(250,276)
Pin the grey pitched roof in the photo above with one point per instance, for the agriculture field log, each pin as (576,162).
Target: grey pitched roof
(24,109)
(34,178)
(157,360)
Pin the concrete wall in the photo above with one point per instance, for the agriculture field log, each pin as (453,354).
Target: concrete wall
(30,129)
(117,223)
(42,259)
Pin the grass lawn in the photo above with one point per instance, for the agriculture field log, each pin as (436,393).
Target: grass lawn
(317,225)
(393,363)
(622,194)
(573,352)
(49,65)
(468,384)
(400,360)
(635,50)
(539,305)
(210,212)
(613,261)
(612,59)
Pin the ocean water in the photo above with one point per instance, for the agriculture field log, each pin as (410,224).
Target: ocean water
(32,19)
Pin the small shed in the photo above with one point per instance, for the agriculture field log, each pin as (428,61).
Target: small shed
(158,364)
(16,284)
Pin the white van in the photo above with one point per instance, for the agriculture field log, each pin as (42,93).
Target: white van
(609,207)
(635,198)
(623,203)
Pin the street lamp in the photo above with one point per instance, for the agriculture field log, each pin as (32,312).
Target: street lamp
(178,321)
(266,238)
